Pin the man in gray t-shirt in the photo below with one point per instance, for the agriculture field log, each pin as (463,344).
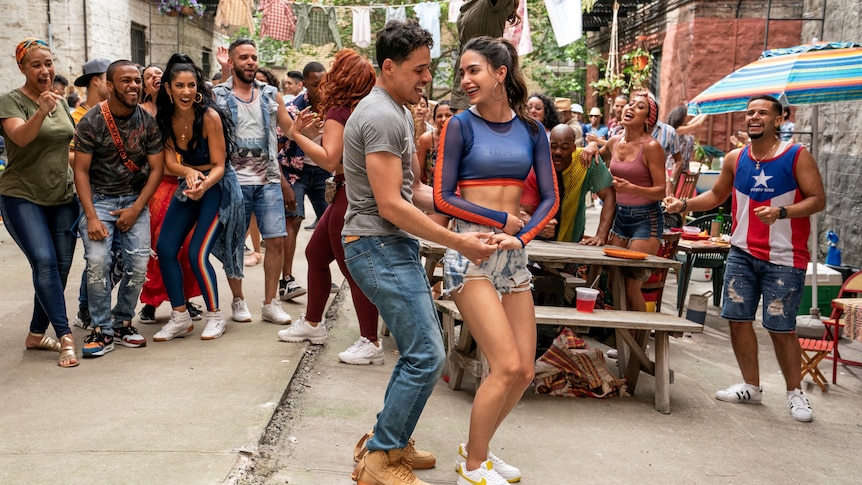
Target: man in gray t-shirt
(379,163)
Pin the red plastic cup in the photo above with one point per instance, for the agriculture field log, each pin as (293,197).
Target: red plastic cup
(586,299)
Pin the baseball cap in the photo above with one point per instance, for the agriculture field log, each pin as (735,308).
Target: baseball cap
(92,68)
(576,108)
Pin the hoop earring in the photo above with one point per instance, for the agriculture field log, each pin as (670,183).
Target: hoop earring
(199,98)
(502,91)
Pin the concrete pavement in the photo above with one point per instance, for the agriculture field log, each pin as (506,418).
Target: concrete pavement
(247,408)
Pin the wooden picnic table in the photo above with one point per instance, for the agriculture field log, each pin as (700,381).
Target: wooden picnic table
(557,254)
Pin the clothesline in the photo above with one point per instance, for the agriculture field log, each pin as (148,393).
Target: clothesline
(378,6)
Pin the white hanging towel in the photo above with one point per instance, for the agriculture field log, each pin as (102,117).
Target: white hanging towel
(454,10)
(429,19)
(361,26)
(566,20)
(520,34)
(396,13)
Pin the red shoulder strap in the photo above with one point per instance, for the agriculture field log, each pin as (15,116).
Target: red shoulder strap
(115,135)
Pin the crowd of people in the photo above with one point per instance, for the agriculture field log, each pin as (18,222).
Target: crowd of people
(171,161)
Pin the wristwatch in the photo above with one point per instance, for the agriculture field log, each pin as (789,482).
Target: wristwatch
(782,212)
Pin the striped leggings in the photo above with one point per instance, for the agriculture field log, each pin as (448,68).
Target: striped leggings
(182,217)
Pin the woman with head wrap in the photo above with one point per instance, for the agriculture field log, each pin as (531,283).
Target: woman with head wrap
(36,192)
(637,165)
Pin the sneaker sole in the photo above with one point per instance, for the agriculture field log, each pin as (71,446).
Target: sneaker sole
(240,319)
(108,348)
(738,401)
(179,335)
(315,341)
(131,345)
(147,321)
(267,320)
(292,295)
(379,361)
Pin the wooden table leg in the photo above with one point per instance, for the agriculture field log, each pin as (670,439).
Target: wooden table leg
(662,372)
(637,345)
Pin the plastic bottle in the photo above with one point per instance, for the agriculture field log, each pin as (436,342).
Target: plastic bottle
(715,226)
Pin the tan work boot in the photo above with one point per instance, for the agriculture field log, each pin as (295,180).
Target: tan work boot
(381,467)
(415,459)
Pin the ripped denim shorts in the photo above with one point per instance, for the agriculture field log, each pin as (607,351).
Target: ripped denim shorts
(747,279)
(506,270)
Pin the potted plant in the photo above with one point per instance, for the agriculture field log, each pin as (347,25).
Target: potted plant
(189,8)
(609,87)
(637,67)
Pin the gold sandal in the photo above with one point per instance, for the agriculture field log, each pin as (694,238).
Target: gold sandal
(45,343)
(67,351)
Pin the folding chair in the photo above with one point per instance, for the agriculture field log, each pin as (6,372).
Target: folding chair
(684,187)
(654,286)
(814,351)
(813,348)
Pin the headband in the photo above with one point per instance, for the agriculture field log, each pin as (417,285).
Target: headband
(652,116)
(27,45)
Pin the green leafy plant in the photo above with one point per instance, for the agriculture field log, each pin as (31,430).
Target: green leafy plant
(609,87)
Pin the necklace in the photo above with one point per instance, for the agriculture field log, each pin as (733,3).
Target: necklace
(757,161)
(185,128)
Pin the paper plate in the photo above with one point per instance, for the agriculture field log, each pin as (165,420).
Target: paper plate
(624,253)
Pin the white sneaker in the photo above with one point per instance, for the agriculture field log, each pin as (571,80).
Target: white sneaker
(741,393)
(301,331)
(240,310)
(800,408)
(215,326)
(508,472)
(484,475)
(179,325)
(273,313)
(363,352)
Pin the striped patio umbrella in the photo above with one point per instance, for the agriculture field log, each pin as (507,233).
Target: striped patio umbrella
(806,74)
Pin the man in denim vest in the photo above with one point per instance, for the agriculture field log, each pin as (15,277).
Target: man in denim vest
(256,108)
(111,149)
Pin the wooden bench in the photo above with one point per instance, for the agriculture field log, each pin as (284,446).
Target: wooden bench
(664,325)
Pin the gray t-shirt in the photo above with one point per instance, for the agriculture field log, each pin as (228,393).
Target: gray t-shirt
(378,124)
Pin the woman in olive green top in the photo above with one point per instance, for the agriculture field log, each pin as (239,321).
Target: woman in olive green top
(36,192)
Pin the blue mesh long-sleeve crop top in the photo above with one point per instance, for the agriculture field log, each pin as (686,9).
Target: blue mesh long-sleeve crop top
(474,151)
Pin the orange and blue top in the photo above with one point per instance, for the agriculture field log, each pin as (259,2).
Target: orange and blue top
(474,151)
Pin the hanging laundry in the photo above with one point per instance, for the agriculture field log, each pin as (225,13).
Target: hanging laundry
(429,19)
(566,20)
(454,10)
(231,15)
(315,25)
(361,26)
(396,13)
(278,21)
(520,34)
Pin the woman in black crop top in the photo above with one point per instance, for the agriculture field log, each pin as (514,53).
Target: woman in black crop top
(196,137)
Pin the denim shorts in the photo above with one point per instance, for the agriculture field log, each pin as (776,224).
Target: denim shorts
(506,270)
(266,202)
(638,221)
(311,184)
(747,279)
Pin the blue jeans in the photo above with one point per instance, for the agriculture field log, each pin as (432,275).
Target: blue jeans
(135,246)
(312,183)
(747,279)
(266,202)
(44,234)
(388,270)
(638,221)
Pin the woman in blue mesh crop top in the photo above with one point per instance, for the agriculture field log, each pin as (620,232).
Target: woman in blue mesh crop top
(487,152)
(208,201)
